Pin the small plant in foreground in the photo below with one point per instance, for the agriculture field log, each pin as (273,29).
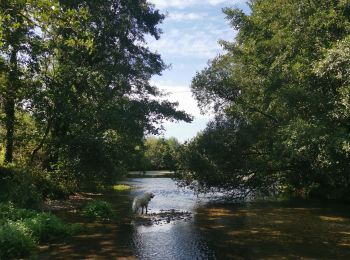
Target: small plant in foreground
(99,210)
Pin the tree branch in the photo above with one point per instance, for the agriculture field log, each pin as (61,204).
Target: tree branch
(41,144)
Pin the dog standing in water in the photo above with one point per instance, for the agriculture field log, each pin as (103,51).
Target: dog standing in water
(142,201)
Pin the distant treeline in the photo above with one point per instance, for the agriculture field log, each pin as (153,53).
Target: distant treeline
(156,154)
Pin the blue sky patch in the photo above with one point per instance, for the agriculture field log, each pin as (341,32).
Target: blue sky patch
(191,32)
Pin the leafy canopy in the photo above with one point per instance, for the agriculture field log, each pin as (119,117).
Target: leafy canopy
(281,93)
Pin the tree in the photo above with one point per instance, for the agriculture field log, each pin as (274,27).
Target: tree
(282,88)
(161,153)
(78,72)
(18,40)
(157,154)
(95,100)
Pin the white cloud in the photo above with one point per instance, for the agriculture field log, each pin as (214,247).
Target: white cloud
(177,16)
(191,34)
(199,42)
(217,2)
(181,4)
(183,96)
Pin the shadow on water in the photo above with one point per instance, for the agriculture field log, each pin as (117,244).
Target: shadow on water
(216,231)
(276,231)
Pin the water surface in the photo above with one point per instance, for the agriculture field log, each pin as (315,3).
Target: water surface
(176,240)
(270,230)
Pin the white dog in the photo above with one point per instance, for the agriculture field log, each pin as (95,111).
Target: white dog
(142,201)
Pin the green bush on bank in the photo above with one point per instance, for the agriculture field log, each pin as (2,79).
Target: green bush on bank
(8,212)
(19,186)
(99,210)
(21,230)
(47,227)
(28,187)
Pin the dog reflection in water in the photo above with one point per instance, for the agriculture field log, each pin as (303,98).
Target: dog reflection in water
(142,201)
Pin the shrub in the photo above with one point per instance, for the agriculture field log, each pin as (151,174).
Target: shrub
(18,185)
(54,184)
(47,227)
(9,212)
(27,187)
(99,210)
(43,226)
(16,241)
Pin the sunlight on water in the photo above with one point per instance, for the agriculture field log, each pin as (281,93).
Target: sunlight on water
(176,240)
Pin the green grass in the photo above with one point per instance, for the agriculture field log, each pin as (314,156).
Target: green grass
(121,187)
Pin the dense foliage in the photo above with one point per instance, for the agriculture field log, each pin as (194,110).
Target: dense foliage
(282,97)
(75,103)
(75,93)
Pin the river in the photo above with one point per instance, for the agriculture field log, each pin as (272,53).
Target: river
(175,240)
(265,230)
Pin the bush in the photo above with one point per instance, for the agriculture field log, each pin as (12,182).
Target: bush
(9,212)
(28,187)
(47,227)
(44,226)
(18,186)
(54,184)
(99,210)
(16,241)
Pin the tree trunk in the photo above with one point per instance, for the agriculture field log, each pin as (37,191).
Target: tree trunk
(10,98)
(10,125)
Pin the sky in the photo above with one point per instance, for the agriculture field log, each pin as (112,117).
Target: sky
(191,32)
